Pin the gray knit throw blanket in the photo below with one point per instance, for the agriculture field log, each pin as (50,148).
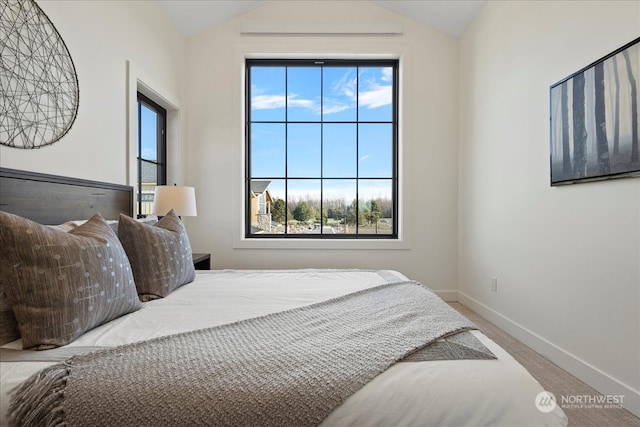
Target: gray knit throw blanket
(285,369)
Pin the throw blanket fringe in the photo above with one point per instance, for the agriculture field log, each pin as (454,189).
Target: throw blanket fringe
(285,369)
(39,401)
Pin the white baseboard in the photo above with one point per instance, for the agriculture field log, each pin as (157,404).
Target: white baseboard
(447,295)
(582,370)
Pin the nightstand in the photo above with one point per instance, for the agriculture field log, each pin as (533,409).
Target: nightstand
(202,261)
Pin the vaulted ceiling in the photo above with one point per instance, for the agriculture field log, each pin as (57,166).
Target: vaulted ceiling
(451,17)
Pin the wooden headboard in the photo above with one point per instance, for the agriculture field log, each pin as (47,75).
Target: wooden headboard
(53,199)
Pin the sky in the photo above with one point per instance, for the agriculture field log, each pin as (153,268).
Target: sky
(324,103)
(149,126)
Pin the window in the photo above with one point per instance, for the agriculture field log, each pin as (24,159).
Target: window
(322,149)
(152,122)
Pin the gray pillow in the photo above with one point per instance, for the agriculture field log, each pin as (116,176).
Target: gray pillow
(149,219)
(62,284)
(8,324)
(160,254)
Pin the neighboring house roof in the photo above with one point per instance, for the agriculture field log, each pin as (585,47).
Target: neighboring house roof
(149,172)
(256,230)
(259,187)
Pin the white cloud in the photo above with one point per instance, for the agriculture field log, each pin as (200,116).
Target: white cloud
(346,85)
(332,106)
(270,102)
(373,94)
(387,74)
(267,102)
(376,97)
(292,101)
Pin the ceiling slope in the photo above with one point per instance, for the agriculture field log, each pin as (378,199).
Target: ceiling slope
(451,17)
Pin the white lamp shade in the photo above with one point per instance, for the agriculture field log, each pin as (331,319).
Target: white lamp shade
(182,199)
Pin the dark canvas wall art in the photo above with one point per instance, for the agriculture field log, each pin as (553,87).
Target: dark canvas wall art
(594,120)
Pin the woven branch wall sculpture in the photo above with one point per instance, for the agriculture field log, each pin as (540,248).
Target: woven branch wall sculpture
(39,92)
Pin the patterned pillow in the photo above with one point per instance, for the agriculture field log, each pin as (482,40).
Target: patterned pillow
(8,324)
(62,284)
(160,254)
(149,219)
(66,226)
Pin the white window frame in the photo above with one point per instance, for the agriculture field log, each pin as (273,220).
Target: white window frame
(242,51)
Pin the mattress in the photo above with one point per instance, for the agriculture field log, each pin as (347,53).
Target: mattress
(498,392)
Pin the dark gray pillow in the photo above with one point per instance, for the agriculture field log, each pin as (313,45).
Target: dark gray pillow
(8,324)
(62,284)
(149,219)
(160,254)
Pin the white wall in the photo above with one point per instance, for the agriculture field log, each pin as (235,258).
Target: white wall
(429,141)
(101,37)
(567,258)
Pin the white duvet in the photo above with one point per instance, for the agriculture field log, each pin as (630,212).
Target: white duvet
(435,393)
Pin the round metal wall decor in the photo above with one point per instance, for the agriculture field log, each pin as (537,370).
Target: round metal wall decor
(39,92)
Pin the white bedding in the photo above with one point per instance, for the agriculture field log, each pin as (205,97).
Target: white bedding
(442,393)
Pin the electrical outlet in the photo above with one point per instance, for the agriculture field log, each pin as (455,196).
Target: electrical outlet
(494,284)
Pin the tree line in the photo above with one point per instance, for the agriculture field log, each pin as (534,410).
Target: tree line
(312,210)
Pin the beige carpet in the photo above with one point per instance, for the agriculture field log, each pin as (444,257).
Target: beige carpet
(554,379)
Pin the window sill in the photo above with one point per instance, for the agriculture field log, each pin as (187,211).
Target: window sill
(318,244)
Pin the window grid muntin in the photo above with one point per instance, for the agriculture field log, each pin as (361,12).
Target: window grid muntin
(393,122)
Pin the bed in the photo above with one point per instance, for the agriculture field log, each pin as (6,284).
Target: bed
(327,347)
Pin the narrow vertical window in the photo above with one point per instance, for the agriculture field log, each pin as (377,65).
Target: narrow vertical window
(322,149)
(151,152)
